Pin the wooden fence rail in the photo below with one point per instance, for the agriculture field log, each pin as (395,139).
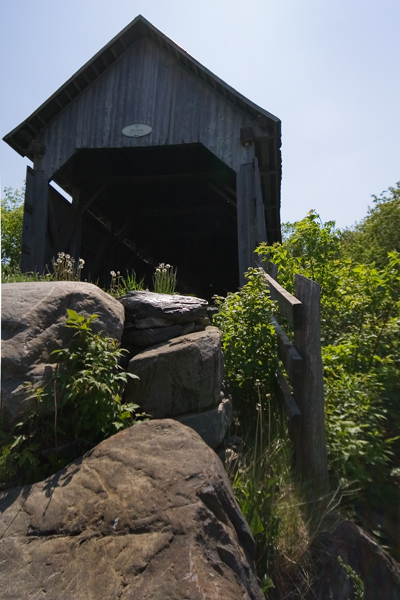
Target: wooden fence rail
(304,402)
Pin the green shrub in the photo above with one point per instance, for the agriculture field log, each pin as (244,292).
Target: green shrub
(81,401)
(248,337)
(88,380)
(355,418)
(360,333)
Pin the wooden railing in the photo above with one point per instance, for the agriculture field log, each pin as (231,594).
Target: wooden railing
(304,401)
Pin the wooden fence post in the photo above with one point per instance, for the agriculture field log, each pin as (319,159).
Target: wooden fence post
(309,392)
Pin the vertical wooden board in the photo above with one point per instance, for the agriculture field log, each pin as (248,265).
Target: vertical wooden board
(309,393)
(27,224)
(243,194)
(261,231)
(253,217)
(74,244)
(37,197)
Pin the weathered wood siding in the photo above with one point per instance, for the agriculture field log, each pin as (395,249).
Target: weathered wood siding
(148,85)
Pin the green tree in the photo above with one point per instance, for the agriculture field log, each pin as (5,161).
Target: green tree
(12,210)
(379,233)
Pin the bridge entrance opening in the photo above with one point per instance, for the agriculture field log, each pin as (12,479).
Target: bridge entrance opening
(137,207)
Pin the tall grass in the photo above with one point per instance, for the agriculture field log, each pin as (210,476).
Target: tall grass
(286,523)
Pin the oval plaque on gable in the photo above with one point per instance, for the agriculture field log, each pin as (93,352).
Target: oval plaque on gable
(137,130)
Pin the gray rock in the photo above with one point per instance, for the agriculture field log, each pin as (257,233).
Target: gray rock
(377,569)
(211,424)
(33,325)
(144,338)
(184,375)
(179,309)
(148,514)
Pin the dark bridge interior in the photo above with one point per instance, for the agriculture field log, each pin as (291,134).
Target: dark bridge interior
(143,206)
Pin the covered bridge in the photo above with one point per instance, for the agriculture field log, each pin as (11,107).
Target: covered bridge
(164,162)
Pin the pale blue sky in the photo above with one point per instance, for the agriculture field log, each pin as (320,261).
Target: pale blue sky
(328,69)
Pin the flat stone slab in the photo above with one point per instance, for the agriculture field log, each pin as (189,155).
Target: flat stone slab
(178,309)
(148,514)
(181,376)
(33,317)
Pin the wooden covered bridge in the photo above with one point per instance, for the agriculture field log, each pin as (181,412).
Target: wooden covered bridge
(163,162)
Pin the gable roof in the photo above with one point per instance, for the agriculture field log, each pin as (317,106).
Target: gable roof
(22,136)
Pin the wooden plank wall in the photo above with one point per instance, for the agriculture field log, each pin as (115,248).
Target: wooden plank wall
(148,85)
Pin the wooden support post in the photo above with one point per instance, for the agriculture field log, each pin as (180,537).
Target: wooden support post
(242,199)
(309,388)
(76,235)
(261,227)
(34,229)
(250,216)
(27,224)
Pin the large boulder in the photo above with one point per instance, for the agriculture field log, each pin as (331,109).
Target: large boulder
(33,325)
(148,514)
(184,375)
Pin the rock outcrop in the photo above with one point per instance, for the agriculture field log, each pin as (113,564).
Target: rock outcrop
(148,514)
(33,325)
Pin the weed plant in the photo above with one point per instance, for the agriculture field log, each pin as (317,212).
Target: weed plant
(64,268)
(122,285)
(14,275)
(80,405)
(358,584)
(164,279)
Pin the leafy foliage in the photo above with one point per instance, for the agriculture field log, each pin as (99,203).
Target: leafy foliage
(90,379)
(354,425)
(379,233)
(12,210)
(360,319)
(358,584)
(249,341)
(360,303)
